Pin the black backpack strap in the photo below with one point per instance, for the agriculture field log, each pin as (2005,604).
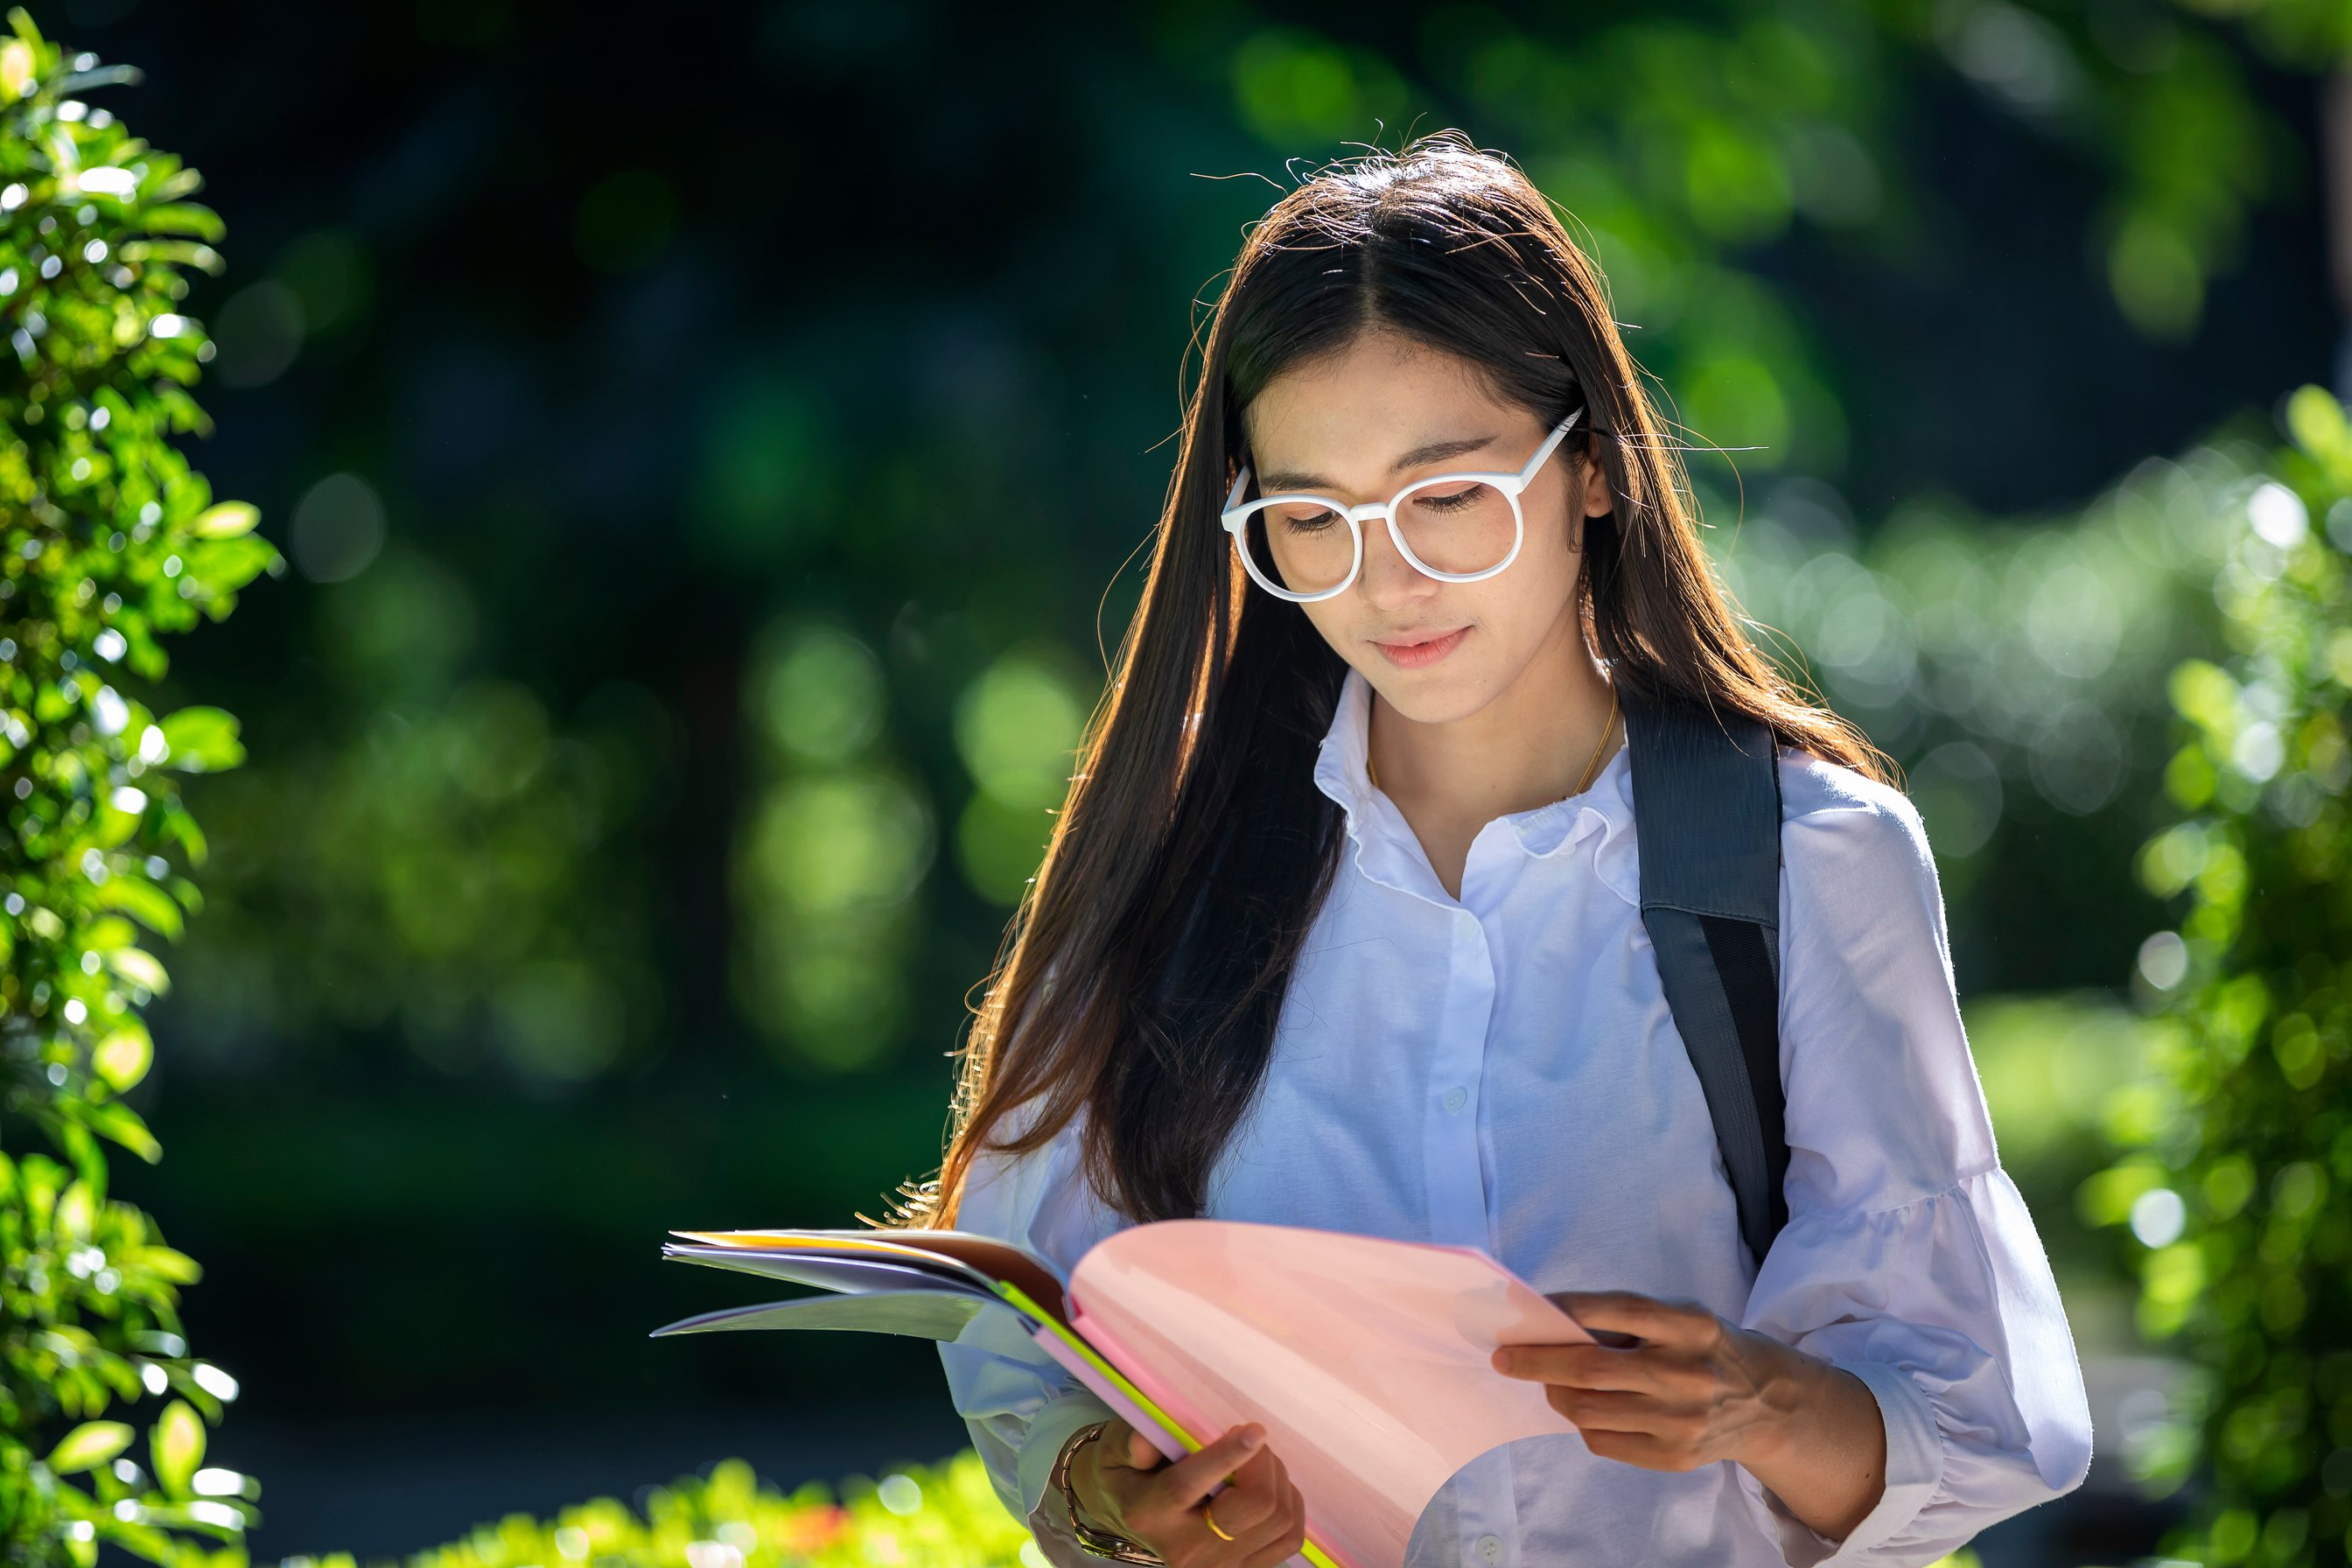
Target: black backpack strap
(1707,815)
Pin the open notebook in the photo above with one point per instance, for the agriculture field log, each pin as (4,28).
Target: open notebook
(1366,1359)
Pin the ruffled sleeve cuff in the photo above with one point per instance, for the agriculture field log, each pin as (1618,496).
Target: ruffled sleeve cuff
(1914,1468)
(1945,1310)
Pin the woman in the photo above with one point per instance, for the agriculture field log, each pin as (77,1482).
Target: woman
(1341,928)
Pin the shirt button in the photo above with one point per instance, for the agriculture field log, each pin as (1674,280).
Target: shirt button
(1490,1547)
(1456,1097)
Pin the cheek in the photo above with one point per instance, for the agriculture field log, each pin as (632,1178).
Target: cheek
(1531,594)
(1328,619)
(1548,588)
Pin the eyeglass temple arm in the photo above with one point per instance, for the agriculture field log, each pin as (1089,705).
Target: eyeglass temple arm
(1240,483)
(1559,434)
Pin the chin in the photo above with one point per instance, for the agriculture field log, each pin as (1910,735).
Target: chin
(1428,696)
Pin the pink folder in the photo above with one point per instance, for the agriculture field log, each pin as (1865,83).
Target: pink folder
(1367,1360)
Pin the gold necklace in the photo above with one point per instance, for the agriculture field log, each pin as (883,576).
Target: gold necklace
(1589,768)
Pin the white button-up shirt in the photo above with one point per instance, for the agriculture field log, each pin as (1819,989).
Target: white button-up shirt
(1501,1071)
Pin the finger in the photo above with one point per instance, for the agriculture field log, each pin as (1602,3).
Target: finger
(1190,1479)
(1260,1488)
(1263,1469)
(1608,1410)
(1630,1312)
(1267,1526)
(1284,1549)
(1253,1481)
(1285,1538)
(1243,1510)
(1584,1366)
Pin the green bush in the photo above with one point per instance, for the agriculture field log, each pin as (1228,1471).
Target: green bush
(2233,1182)
(107,542)
(940,1516)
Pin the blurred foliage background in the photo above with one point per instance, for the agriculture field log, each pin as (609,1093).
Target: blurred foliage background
(713,458)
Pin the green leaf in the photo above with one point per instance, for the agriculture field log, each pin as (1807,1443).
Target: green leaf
(123,1057)
(184,217)
(204,258)
(186,1516)
(76,1215)
(227,520)
(119,1122)
(224,565)
(2316,422)
(167,1264)
(15,70)
(142,1540)
(180,827)
(90,1444)
(134,895)
(202,739)
(113,825)
(109,931)
(140,967)
(177,1443)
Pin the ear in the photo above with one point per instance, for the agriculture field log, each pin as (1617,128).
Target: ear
(1598,501)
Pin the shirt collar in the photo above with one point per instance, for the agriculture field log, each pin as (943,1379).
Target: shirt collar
(1384,845)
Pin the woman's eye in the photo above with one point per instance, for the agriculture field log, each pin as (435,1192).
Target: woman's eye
(1309,522)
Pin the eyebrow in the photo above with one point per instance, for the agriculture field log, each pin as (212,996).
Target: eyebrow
(1433,451)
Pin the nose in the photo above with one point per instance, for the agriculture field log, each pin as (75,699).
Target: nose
(1390,581)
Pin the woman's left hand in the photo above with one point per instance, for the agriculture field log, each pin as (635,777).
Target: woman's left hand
(1681,1388)
(1688,1390)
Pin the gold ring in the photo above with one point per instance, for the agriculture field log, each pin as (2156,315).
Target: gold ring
(1208,1511)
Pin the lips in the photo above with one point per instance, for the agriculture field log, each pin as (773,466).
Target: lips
(1417,650)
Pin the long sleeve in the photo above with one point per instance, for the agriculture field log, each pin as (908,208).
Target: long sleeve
(1909,1258)
(1019,1417)
(1020,1404)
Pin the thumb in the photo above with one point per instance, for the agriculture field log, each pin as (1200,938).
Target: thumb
(1140,1453)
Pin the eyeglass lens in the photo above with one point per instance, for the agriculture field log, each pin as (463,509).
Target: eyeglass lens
(1451,525)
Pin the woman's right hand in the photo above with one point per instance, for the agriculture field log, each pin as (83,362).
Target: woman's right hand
(1127,1485)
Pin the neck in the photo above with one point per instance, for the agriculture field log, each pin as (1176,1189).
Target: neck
(1533,744)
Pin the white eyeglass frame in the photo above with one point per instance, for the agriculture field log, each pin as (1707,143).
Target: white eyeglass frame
(1237,513)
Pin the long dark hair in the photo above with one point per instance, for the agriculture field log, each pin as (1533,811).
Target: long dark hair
(1141,977)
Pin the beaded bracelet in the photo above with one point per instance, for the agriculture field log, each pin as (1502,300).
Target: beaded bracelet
(1097,1541)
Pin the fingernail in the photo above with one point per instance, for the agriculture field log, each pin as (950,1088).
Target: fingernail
(1252,1437)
